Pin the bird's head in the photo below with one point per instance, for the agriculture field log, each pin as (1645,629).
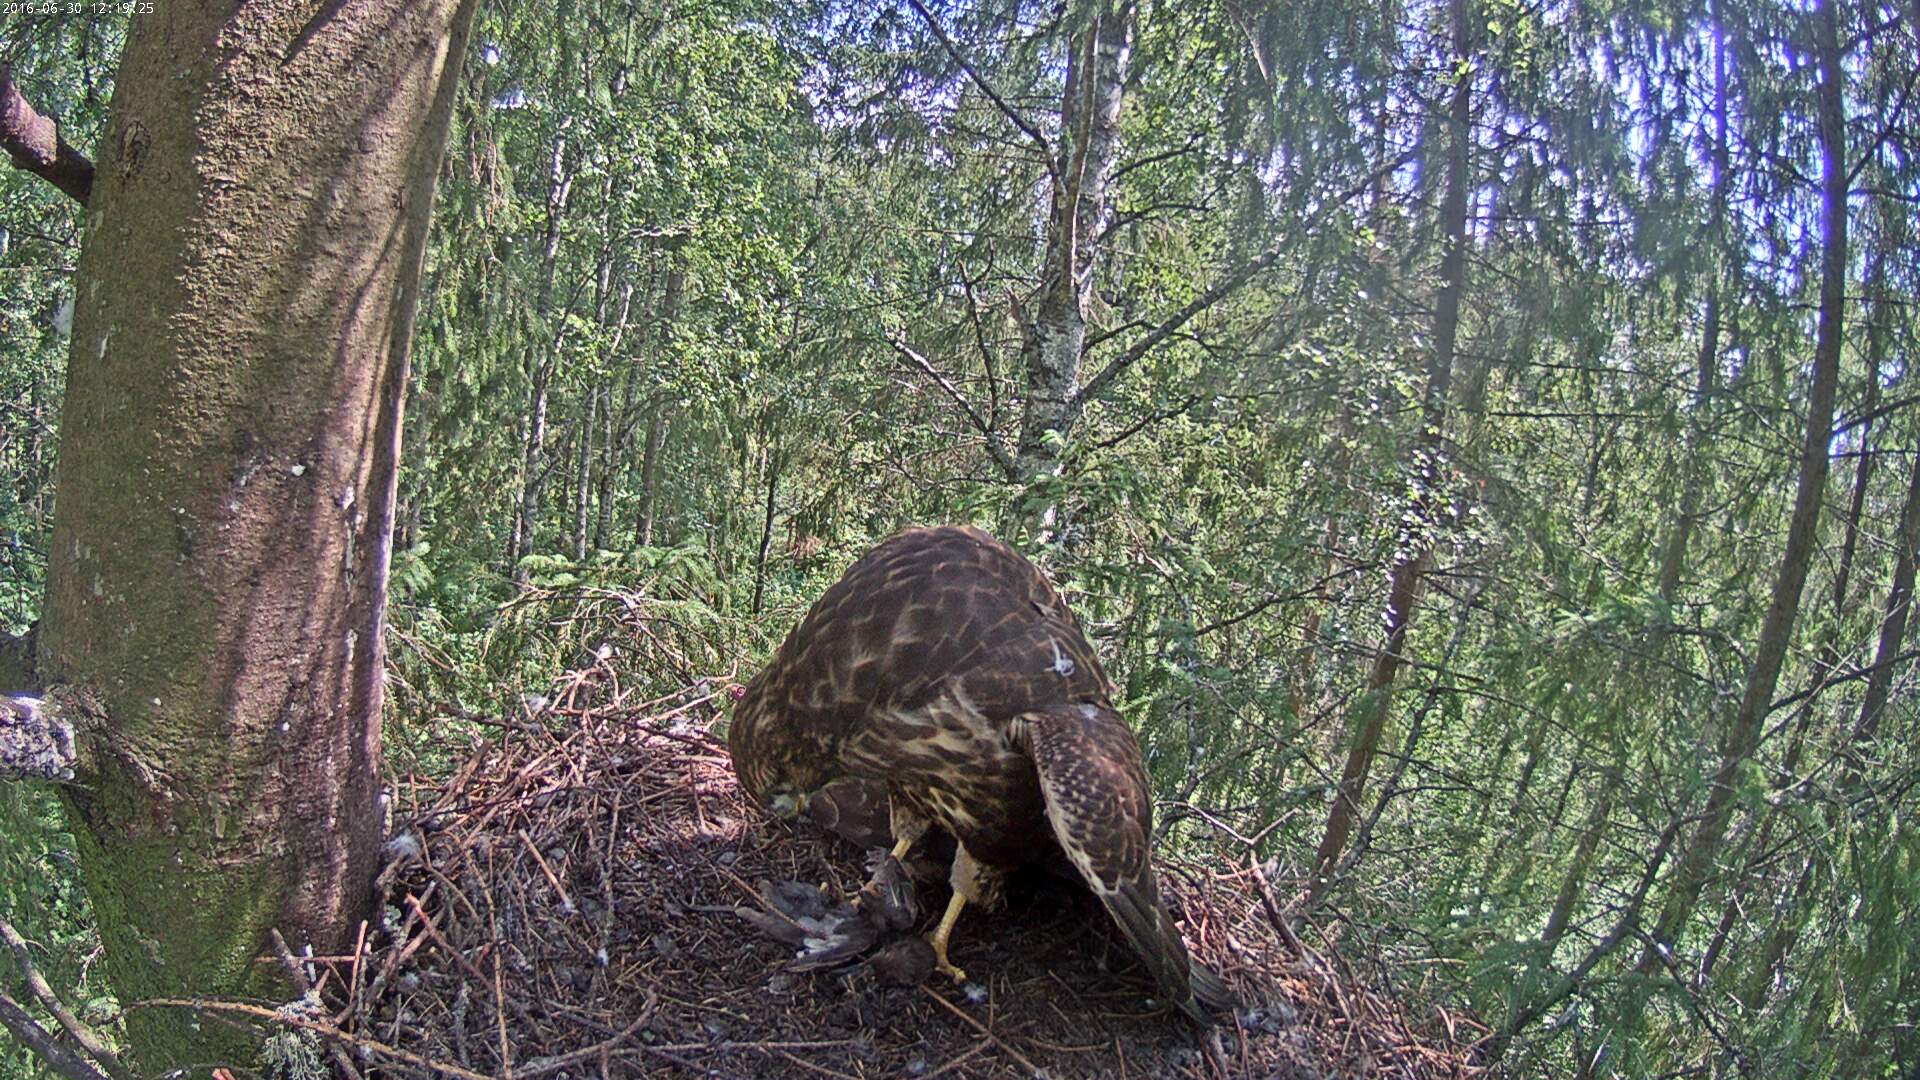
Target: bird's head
(776,764)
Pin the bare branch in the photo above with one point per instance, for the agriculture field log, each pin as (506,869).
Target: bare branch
(1146,421)
(1893,117)
(1874,414)
(1220,290)
(994,445)
(1627,925)
(1013,115)
(1315,589)
(35,145)
(1856,674)
(44,1046)
(89,1040)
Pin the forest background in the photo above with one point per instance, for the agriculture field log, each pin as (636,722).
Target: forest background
(1480,435)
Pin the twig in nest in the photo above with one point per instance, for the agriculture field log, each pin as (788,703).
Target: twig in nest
(1032,1069)
(811,1067)
(543,1066)
(1274,914)
(325,1031)
(565,900)
(426,925)
(301,982)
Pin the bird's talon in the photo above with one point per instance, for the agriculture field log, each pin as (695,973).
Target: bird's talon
(951,972)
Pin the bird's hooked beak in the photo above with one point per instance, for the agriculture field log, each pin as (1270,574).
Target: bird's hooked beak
(788,805)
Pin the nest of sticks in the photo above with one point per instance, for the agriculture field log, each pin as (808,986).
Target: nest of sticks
(565,905)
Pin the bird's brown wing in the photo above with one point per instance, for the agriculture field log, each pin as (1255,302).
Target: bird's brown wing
(1098,804)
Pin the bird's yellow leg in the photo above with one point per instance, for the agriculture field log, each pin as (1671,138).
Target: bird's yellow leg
(907,825)
(938,939)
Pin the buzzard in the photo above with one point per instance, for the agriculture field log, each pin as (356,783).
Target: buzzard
(945,667)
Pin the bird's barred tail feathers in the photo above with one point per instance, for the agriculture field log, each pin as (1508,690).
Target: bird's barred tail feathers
(1099,805)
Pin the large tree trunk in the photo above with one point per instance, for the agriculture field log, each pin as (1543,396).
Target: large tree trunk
(1776,630)
(246,291)
(1415,546)
(1056,334)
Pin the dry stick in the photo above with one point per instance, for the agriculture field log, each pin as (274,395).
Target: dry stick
(325,1031)
(540,1067)
(1032,1069)
(298,976)
(608,920)
(547,870)
(353,979)
(426,925)
(399,956)
(974,1051)
(499,990)
(811,1067)
(1278,918)
(89,1040)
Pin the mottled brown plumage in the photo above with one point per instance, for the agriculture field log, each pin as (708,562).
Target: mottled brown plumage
(944,666)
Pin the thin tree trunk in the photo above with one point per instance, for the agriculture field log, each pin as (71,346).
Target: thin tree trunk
(609,468)
(246,292)
(583,470)
(611,435)
(1055,338)
(540,364)
(643,525)
(1743,735)
(1760,843)
(1572,885)
(532,471)
(1415,546)
(774,463)
(1893,631)
(1673,557)
(1863,466)
(1893,628)
(1827,665)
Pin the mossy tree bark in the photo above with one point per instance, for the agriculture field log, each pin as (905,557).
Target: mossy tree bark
(245,297)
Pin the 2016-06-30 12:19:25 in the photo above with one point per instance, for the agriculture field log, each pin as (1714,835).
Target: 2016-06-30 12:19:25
(76,7)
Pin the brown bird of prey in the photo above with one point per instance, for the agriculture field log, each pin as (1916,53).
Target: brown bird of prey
(945,667)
